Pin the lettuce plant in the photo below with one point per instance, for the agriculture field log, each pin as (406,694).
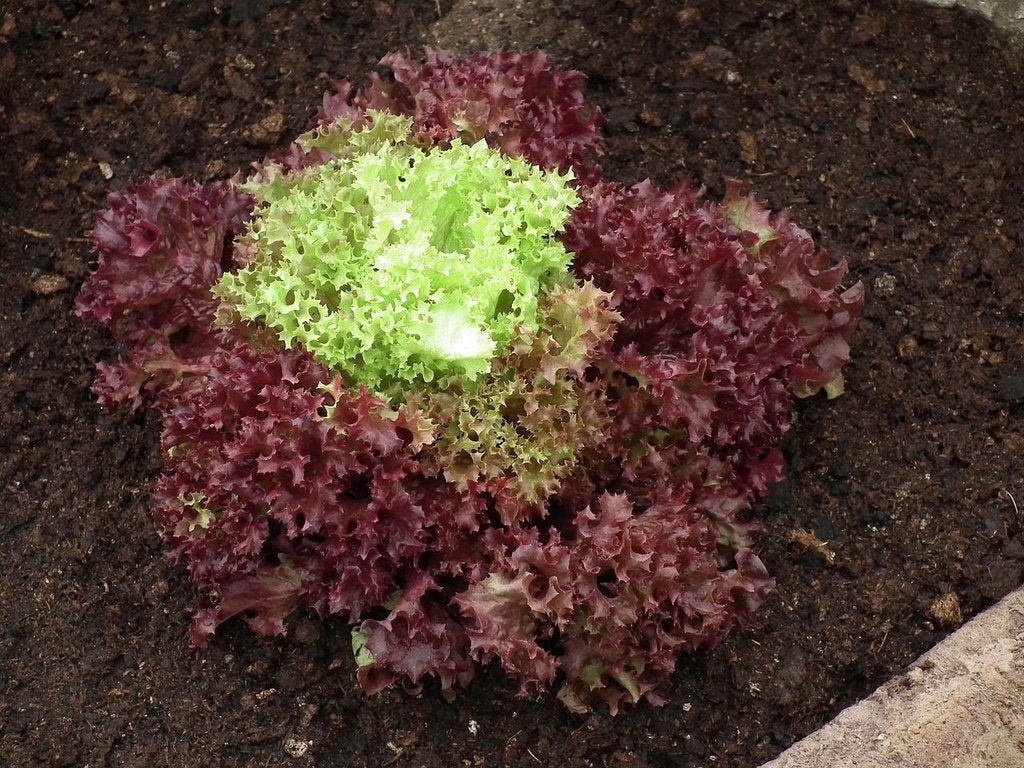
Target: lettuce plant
(424,371)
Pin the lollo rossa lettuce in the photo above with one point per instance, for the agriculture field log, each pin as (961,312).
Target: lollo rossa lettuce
(424,371)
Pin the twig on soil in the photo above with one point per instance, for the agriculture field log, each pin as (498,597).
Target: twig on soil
(881,645)
(39,234)
(1012,501)
(35,233)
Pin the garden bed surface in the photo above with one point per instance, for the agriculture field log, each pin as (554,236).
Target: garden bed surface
(890,131)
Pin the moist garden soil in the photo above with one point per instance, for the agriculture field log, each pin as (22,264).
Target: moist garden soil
(890,131)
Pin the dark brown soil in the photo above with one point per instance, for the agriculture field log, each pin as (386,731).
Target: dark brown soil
(892,133)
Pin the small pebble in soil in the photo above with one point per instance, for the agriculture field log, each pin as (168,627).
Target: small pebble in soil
(296,747)
(267,132)
(687,17)
(946,611)
(885,284)
(47,285)
(907,348)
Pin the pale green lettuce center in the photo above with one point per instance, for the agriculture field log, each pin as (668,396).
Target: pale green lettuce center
(391,263)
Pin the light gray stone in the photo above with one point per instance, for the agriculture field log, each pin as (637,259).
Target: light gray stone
(1008,14)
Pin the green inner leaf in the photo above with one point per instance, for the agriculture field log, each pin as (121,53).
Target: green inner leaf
(391,263)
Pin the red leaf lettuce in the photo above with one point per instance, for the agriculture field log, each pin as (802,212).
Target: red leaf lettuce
(582,513)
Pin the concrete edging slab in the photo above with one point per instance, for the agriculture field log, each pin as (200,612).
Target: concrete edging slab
(960,705)
(1005,14)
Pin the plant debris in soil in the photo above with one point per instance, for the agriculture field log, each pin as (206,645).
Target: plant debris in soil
(889,130)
